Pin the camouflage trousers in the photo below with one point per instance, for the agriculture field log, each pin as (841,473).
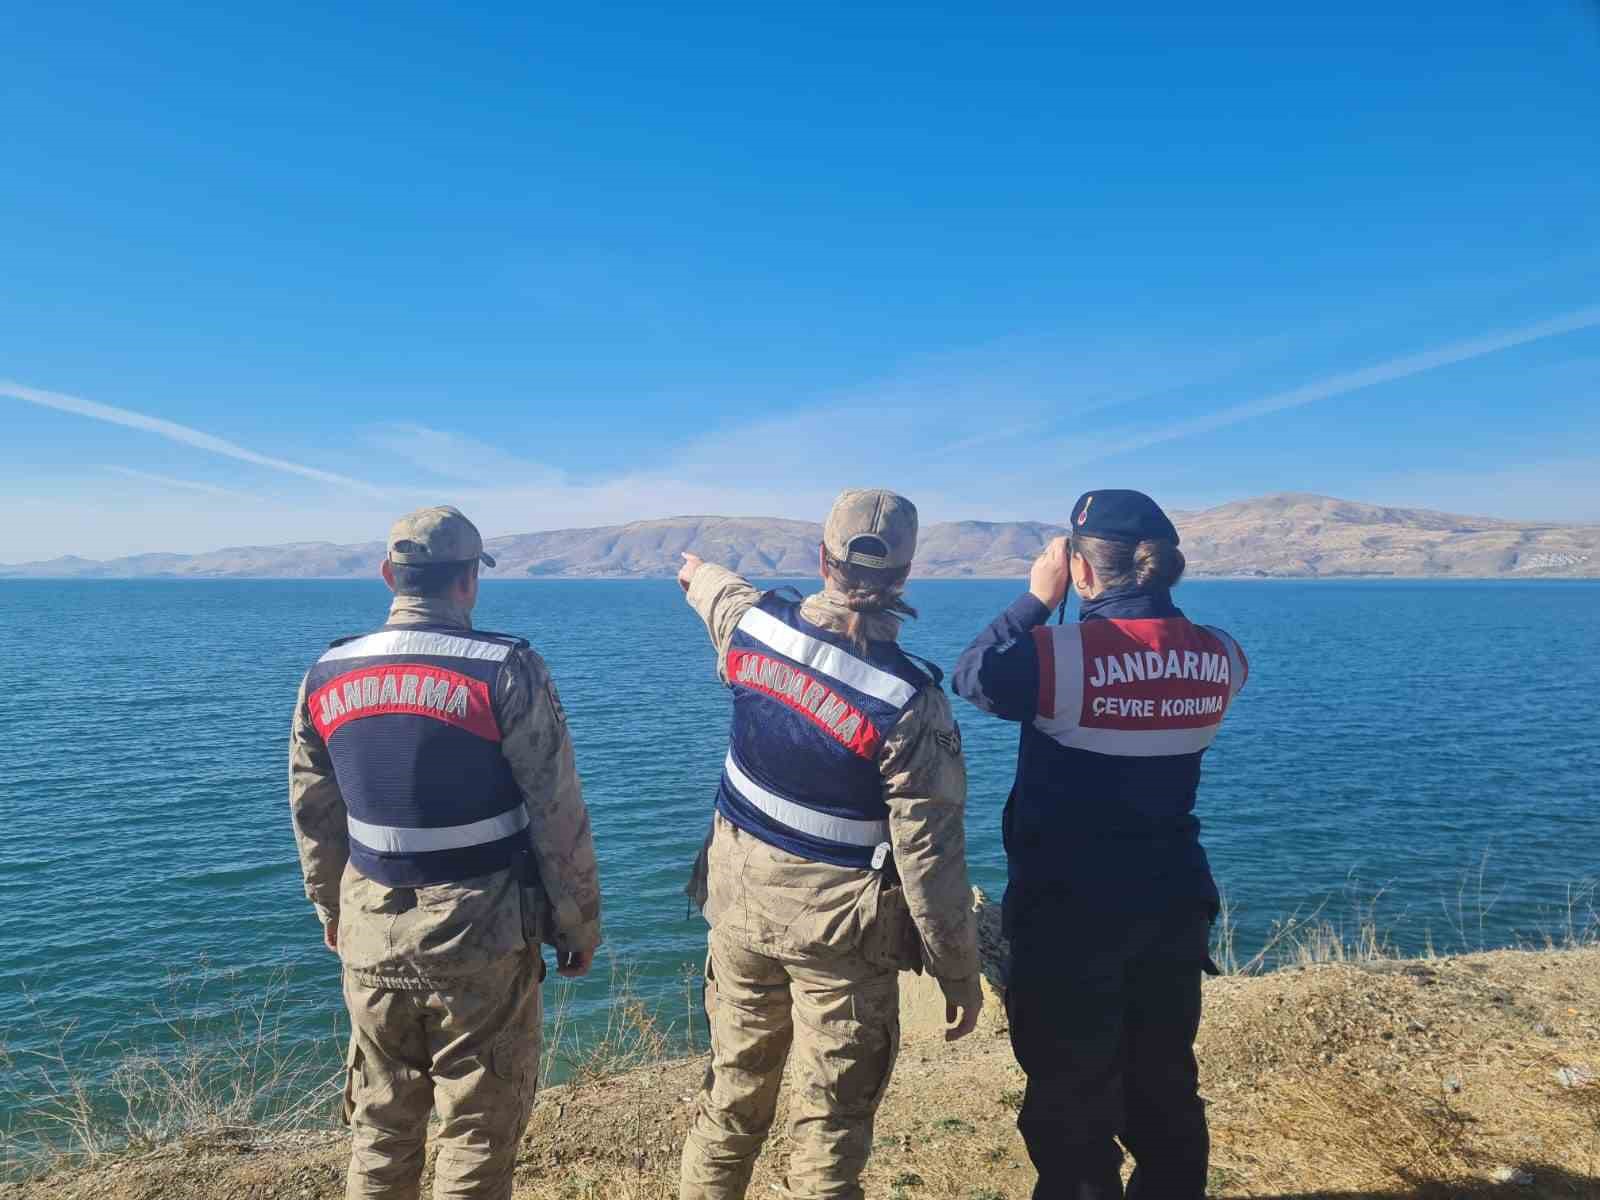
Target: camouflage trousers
(471,1051)
(839,1019)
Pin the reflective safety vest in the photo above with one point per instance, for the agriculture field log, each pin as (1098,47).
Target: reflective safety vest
(408,718)
(1136,688)
(810,715)
(1103,804)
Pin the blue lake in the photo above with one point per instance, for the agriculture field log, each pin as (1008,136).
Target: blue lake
(1435,742)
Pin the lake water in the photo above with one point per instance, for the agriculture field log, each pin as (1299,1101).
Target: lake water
(1435,742)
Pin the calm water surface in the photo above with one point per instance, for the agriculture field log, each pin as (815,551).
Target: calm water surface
(1435,742)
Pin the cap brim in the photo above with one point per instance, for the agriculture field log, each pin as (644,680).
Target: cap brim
(486,559)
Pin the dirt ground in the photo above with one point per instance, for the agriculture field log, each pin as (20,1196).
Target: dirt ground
(1473,1075)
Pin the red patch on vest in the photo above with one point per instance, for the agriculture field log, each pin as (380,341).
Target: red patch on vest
(1153,674)
(413,689)
(811,698)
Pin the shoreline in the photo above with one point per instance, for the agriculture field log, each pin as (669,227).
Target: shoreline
(1393,1079)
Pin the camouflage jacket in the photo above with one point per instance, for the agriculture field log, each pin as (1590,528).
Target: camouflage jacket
(773,900)
(426,936)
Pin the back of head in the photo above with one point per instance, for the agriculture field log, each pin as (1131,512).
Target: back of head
(1131,544)
(430,549)
(868,542)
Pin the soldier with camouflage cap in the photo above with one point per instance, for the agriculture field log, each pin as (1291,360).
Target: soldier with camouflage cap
(443,836)
(836,857)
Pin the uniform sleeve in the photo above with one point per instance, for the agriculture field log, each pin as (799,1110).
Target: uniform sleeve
(317,809)
(925,785)
(999,671)
(535,742)
(721,598)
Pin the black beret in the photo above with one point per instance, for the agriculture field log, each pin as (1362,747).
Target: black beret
(1122,516)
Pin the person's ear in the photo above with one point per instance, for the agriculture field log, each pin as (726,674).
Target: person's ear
(822,562)
(387,571)
(1082,575)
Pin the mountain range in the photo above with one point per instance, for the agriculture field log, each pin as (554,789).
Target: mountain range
(1286,535)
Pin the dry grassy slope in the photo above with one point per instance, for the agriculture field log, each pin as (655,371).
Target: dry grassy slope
(1291,535)
(1330,1081)
(1299,535)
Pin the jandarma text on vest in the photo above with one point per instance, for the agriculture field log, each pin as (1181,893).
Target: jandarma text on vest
(1152,664)
(804,694)
(403,688)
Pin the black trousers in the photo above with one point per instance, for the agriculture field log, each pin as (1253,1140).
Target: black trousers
(1103,1017)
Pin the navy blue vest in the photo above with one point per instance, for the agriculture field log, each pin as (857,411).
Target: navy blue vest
(408,717)
(810,713)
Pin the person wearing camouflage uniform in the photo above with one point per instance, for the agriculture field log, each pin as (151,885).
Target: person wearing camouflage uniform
(811,916)
(400,739)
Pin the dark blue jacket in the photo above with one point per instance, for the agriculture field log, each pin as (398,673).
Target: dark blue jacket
(1116,713)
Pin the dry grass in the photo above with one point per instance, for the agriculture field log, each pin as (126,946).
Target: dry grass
(1584,1100)
(633,1035)
(1363,936)
(1385,1136)
(251,1078)
(1367,1076)
(1399,1081)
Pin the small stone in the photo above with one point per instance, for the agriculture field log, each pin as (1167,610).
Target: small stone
(1452,1084)
(1514,1175)
(1574,1077)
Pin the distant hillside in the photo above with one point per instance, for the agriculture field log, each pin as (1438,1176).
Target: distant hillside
(1295,535)
(1289,535)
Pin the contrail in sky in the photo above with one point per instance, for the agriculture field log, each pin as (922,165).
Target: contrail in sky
(1338,385)
(172,431)
(191,484)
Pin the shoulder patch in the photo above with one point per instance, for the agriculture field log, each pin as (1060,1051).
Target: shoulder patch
(949,739)
(555,700)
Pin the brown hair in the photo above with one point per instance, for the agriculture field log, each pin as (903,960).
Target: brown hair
(1153,565)
(867,590)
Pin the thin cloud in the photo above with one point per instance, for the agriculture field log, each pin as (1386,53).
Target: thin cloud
(1350,381)
(192,485)
(455,455)
(172,431)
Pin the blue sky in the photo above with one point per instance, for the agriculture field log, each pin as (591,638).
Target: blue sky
(275,276)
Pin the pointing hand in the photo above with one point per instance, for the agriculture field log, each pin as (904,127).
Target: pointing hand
(691,564)
(1052,573)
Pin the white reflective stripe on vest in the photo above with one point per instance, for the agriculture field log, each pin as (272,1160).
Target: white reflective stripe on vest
(804,820)
(1129,743)
(830,660)
(418,641)
(399,839)
(1236,667)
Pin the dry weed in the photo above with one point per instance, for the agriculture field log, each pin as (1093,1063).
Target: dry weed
(631,1037)
(253,1078)
(1381,1136)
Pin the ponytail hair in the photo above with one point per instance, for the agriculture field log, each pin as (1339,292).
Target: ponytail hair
(1158,565)
(1153,565)
(867,590)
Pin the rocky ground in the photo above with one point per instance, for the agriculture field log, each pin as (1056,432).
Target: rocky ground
(1473,1075)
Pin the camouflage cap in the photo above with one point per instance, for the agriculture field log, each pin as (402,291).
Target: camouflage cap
(436,535)
(872,528)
